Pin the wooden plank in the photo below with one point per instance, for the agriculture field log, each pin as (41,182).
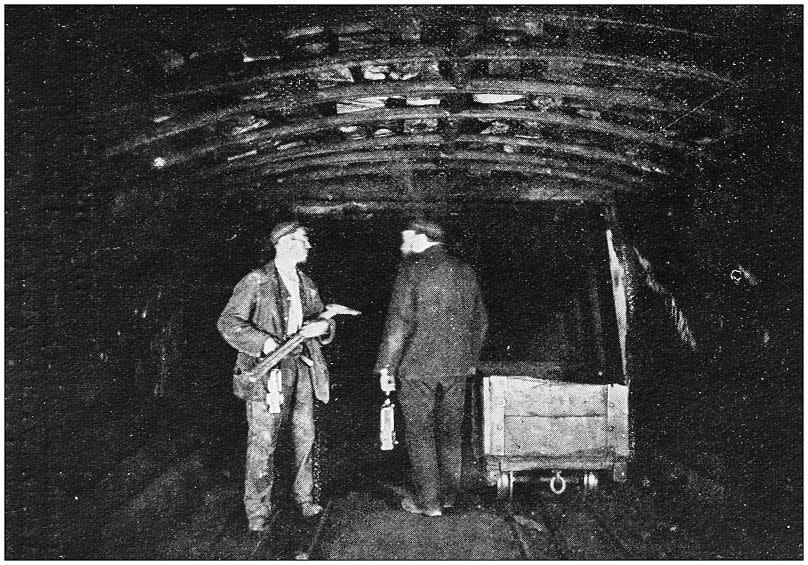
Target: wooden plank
(648,67)
(584,151)
(599,21)
(322,150)
(607,96)
(560,167)
(553,399)
(538,435)
(486,393)
(617,425)
(529,191)
(497,390)
(386,114)
(360,207)
(272,133)
(588,153)
(589,461)
(595,125)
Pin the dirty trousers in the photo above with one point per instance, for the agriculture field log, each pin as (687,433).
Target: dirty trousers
(433,415)
(262,440)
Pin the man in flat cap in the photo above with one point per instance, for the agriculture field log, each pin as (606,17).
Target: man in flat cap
(267,306)
(435,329)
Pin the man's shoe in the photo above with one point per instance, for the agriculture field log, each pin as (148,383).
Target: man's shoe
(409,505)
(310,509)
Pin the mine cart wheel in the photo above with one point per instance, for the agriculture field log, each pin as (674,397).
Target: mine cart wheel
(590,481)
(505,486)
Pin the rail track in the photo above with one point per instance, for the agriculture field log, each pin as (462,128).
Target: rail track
(304,536)
(572,530)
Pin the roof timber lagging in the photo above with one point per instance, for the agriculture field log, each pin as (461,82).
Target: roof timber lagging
(592,103)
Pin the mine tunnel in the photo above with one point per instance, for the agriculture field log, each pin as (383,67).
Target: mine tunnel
(625,181)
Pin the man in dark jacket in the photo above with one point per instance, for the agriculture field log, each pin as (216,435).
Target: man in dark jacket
(435,329)
(269,305)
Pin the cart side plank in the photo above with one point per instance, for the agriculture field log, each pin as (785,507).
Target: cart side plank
(554,399)
(485,416)
(554,436)
(498,389)
(617,405)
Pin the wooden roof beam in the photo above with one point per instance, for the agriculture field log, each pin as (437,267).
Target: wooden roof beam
(528,162)
(593,125)
(587,152)
(651,67)
(307,126)
(349,207)
(337,192)
(342,147)
(606,97)
(384,115)
(388,170)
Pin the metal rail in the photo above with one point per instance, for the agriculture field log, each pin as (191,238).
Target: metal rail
(315,538)
(558,539)
(615,539)
(305,548)
(553,525)
(510,518)
(265,534)
(618,537)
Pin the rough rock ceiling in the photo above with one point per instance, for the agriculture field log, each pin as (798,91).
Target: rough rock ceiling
(525,105)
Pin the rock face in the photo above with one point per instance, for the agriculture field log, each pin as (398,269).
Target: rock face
(581,104)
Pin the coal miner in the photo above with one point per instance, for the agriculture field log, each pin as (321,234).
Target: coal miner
(435,329)
(269,305)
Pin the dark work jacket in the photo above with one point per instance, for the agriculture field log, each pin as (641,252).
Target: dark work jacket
(259,309)
(437,320)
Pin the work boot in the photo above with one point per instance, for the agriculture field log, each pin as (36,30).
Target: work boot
(409,505)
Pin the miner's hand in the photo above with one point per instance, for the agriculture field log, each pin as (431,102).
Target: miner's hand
(387,380)
(314,329)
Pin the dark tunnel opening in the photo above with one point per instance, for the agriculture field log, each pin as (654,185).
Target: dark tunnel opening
(544,274)
(540,269)
(543,270)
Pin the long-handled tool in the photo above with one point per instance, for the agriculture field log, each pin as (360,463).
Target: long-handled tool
(260,370)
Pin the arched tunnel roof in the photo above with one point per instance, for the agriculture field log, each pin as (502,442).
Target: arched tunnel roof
(530,103)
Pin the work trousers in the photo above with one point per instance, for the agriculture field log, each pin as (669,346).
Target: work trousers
(263,434)
(433,416)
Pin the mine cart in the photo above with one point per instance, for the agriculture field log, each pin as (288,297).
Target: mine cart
(560,412)
(537,424)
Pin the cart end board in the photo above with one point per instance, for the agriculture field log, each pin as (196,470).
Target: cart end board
(582,424)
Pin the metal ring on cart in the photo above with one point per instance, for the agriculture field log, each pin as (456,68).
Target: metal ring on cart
(553,480)
(505,485)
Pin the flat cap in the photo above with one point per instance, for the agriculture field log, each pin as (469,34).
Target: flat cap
(427,227)
(283,228)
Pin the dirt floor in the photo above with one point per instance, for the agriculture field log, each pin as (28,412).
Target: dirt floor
(176,494)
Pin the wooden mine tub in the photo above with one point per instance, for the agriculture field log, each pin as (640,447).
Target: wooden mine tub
(539,424)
